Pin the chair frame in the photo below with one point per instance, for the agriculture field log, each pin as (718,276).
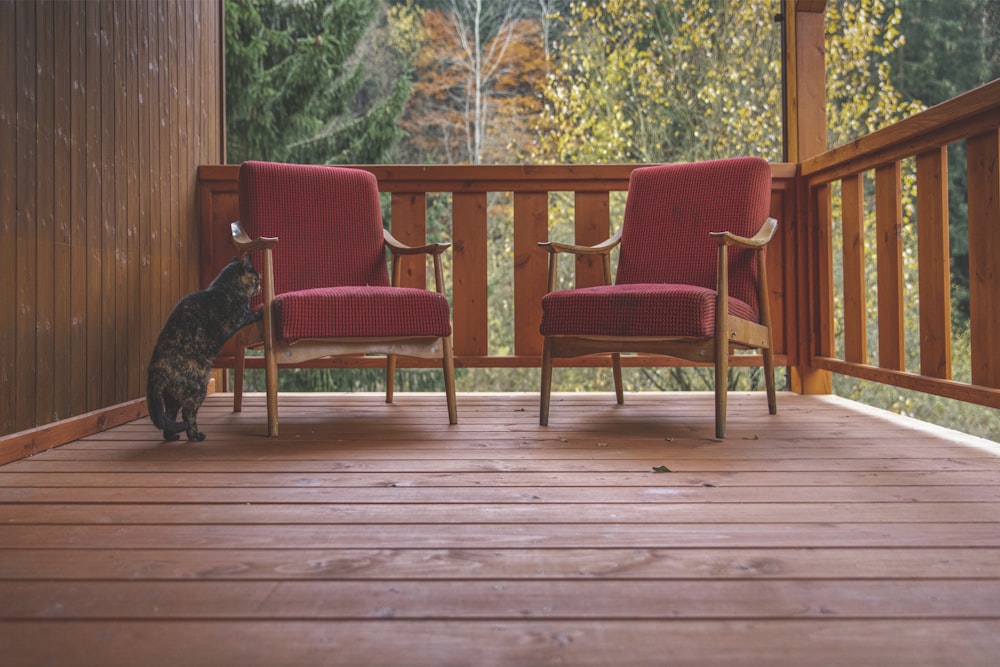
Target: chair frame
(731,332)
(261,334)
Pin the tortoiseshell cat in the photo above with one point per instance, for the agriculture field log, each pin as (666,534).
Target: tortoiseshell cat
(196,330)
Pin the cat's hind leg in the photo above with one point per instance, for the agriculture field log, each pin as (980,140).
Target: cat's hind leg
(172,429)
(190,414)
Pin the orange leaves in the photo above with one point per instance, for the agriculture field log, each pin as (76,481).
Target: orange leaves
(473,96)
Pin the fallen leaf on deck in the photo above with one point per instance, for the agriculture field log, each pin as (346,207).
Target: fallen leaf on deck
(661,469)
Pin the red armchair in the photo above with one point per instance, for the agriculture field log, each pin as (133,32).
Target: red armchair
(317,233)
(690,279)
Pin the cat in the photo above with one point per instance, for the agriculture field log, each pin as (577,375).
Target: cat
(198,327)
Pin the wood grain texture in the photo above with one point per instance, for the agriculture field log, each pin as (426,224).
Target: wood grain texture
(371,534)
(99,234)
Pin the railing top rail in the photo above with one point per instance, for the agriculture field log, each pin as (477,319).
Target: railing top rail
(967,115)
(492,178)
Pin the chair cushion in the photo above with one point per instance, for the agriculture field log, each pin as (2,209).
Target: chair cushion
(328,221)
(637,309)
(361,312)
(670,210)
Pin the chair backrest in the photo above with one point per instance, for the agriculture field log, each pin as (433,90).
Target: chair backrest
(328,221)
(671,208)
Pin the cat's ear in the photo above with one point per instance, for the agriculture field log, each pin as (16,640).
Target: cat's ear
(246,261)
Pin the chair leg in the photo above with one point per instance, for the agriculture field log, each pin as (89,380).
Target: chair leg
(390,377)
(448,366)
(271,382)
(616,369)
(721,386)
(239,364)
(546,390)
(772,398)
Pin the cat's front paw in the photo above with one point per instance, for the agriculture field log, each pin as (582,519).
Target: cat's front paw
(170,436)
(196,437)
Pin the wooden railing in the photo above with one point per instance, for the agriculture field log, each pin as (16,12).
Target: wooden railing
(530,187)
(924,139)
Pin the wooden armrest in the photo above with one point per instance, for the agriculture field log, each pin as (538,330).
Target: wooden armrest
(399,248)
(759,240)
(601,248)
(245,244)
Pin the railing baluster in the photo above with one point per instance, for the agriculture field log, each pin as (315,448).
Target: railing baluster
(855,291)
(469,303)
(409,225)
(592,225)
(984,256)
(889,232)
(933,256)
(531,225)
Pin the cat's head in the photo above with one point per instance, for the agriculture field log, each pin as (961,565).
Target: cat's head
(239,275)
(249,278)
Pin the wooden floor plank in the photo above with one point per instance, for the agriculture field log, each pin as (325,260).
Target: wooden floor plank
(374,534)
(399,493)
(273,643)
(611,563)
(387,513)
(499,599)
(509,536)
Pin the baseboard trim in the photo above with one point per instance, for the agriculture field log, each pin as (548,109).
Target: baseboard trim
(26,443)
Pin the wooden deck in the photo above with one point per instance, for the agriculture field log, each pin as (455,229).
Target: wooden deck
(830,534)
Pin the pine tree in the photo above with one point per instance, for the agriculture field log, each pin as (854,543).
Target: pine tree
(296,90)
(307,82)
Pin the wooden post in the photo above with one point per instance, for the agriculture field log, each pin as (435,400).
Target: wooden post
(805,137)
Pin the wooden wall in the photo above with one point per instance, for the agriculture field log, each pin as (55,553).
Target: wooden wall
(106,109)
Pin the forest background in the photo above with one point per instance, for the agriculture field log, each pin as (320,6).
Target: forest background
(610,81)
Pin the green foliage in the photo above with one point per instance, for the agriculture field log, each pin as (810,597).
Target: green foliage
(653,81)
(951,47)
(293,83)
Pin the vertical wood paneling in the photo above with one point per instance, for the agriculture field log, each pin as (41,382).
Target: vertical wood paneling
(94,213)
(983,155)
(133,221)
(145,183)
(76,363)
(469,278)
(88,196)
(168,292)
(8,219)
(121,225)
(531,226)
(592,224)
(853,228)
(156,217)
(44,216)
(933,256)
(889,233)
(109,332)
(25,262)
(62,218)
